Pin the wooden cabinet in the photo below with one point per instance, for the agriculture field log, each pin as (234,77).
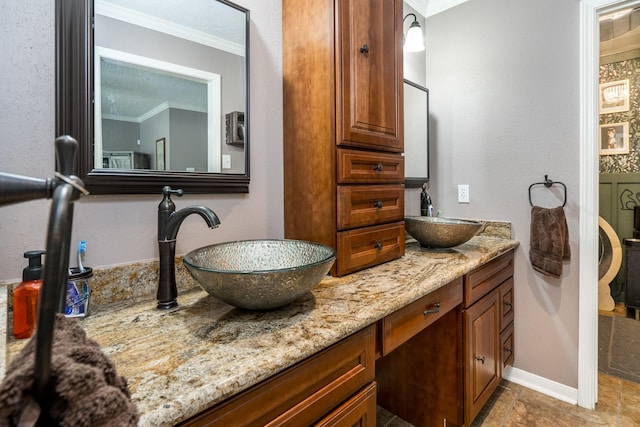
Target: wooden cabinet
(400,326)
(481,356)
(419,376)
(332,388)
(488,331)
(343,128)
(359,410)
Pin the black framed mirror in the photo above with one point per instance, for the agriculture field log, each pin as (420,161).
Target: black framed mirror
(416,134)
(123,147)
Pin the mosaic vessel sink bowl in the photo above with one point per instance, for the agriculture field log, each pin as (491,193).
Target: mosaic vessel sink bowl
(439,232)
(260,274)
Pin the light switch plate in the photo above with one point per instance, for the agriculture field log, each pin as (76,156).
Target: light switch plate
(226,161)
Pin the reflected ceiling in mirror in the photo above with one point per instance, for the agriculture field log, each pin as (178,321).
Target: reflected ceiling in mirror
(158,72)
(171,93)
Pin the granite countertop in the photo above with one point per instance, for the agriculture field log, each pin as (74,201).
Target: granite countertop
(180,361)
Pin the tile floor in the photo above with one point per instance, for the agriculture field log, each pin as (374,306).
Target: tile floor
(514,405)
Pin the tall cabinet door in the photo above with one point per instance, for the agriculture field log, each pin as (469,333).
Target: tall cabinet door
(482,369)
(369,64)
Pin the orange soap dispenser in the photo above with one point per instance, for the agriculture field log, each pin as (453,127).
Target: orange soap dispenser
(27,295)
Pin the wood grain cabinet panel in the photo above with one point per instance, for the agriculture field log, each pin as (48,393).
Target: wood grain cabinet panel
(506,303)
(365,247)
(506,339)
(358,411)
(482,353)
(362,205)
(343,109)
(402,325)
(304,393)
(371,78)
(421,380)
(366,167)
(484,279)
(488,331)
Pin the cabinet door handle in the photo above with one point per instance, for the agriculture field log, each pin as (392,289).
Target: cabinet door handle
(377,245)
(377,204)
(378,167)
(364,48)
(435,309)
(480,359)
(508,350)
(508,304)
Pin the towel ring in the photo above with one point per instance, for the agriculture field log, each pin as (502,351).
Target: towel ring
(548,183)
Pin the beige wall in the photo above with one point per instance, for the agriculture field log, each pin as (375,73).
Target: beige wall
(122,229)
(503,84)
(503,80)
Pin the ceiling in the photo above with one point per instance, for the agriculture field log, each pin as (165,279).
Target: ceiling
(133,93)
(618,24)
(428,8)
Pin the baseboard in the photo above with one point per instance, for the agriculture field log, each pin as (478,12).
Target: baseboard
(542,385)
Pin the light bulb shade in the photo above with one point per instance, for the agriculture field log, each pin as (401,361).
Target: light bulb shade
(414,41)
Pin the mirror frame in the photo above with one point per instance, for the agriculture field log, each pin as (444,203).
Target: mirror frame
(75,112)
(415,181)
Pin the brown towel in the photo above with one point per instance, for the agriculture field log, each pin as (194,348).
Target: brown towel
(87,389)
(549,240)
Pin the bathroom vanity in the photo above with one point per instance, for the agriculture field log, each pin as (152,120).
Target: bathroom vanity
(324,358)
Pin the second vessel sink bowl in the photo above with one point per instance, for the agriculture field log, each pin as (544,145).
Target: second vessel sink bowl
(439,232)
(260,274)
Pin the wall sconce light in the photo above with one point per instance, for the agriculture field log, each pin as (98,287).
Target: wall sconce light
(414,41)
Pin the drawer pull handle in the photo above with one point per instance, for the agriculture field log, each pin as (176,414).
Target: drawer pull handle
(435,309)
(378,167)
(508,304)
(364,48)
(377,204)
(377,245)
(481,359)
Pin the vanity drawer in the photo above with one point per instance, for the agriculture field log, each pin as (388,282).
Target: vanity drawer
(506,339)
(361,205)
(304,393)
(402,325)
(486,278)
(364,247)
(506,303)
(359,410)
(369,167)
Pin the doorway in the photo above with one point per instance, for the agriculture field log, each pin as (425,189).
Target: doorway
(590,11)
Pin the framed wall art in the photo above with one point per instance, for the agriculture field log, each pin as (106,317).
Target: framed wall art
(614,138)
(614,97)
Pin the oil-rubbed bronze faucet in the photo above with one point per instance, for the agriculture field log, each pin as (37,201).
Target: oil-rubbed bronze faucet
(169,222)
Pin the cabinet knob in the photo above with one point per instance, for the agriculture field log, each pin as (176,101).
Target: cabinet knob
(377,204)
(480,359)
(378,167)
(377,245)
(435,309)
(364,48)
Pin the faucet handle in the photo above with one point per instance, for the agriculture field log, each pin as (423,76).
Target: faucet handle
(168,191)
(66,150)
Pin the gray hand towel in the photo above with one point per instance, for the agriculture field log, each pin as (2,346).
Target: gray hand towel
(87,390)
(549,240)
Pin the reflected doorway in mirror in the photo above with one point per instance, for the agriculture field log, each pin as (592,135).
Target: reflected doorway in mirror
(160,154)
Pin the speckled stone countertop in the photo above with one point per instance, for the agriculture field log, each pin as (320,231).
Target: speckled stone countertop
(180,361)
